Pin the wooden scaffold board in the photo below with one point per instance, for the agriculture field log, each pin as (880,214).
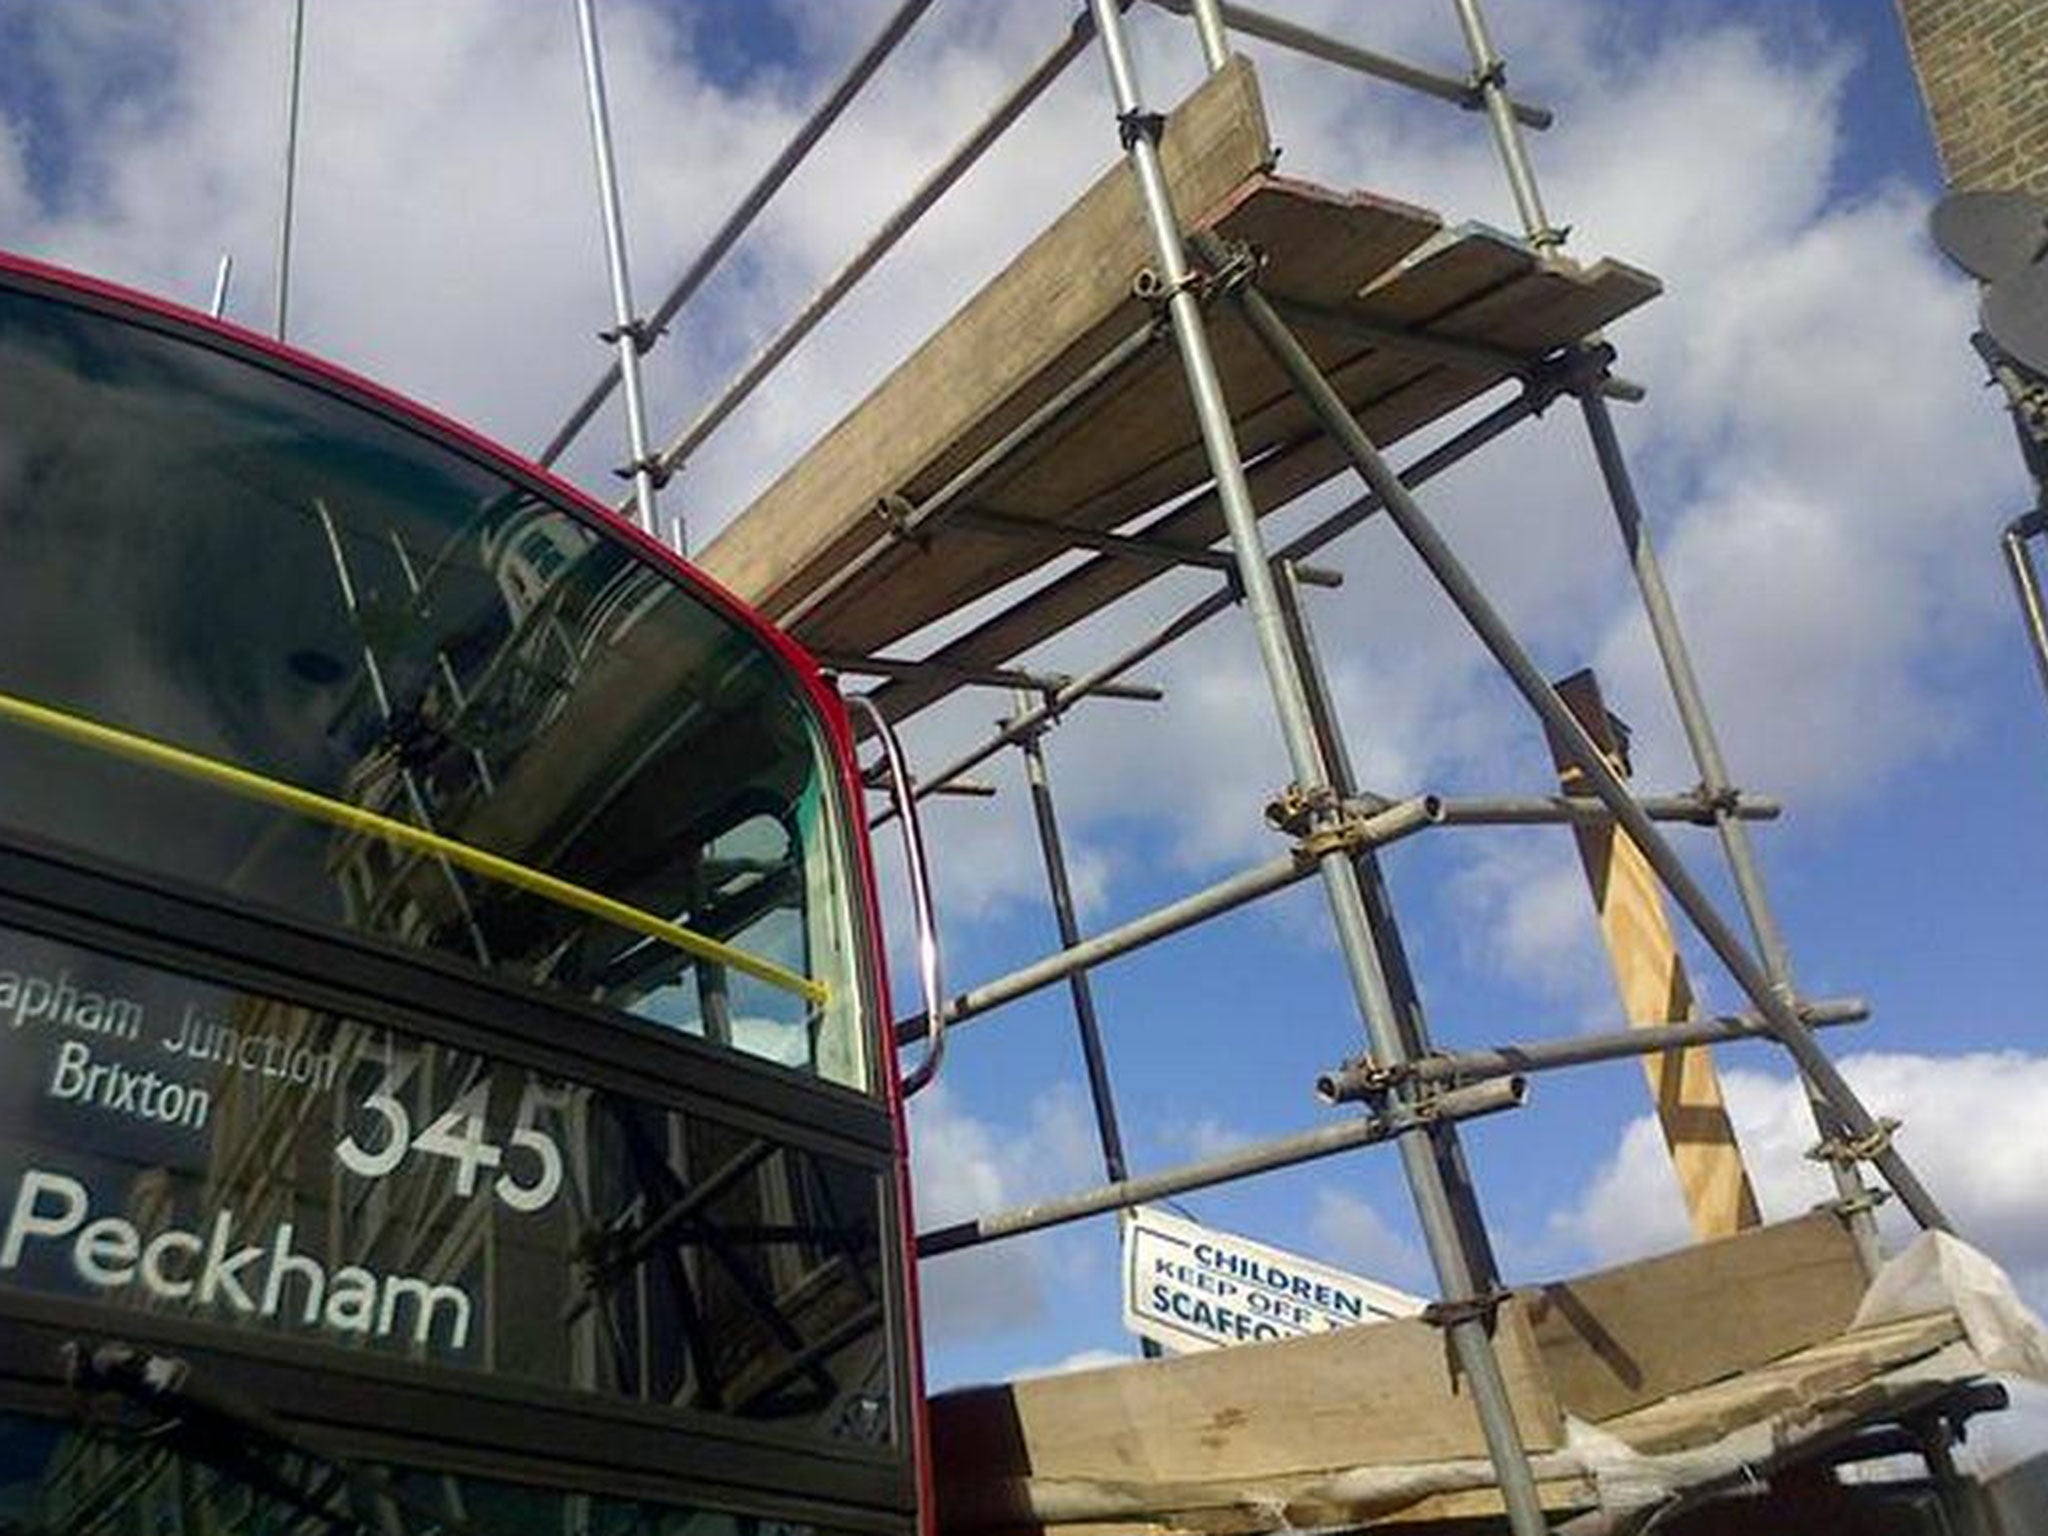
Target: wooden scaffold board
(1665,1358)
(1337,260)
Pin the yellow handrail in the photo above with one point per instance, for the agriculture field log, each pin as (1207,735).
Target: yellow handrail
(256,786)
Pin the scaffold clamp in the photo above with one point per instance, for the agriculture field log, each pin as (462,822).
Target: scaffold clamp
(1298,811)
(1845,1151)
(638,331)
(1138,124)
(658,470)
(1482,1308)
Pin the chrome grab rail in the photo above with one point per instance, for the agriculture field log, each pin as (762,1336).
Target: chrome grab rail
(904,799)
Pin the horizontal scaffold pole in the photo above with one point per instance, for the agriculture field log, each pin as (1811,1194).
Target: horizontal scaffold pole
(1127,546)
(1361,1079)
(1455,1104)
(1375,831)
(1577,810)
(1318,45)
(982,677)
(913,522)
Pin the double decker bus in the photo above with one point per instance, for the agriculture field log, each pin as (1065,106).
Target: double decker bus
(445,1083)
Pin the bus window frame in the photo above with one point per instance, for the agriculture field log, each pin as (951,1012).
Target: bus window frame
(69,895)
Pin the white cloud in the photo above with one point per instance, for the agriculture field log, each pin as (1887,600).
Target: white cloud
(1080,1360)
(964,1166)
(1531,916)
(1973,1131)
(1203,1137)
(1355,1235)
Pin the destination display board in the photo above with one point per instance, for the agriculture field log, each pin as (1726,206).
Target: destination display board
(176,1147)
(1189,1287)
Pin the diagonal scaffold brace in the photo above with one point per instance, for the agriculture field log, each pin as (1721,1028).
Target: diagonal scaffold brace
(1781,1020)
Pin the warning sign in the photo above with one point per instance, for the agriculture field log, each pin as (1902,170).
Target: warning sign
(1189,1287)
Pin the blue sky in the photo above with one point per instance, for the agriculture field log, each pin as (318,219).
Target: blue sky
(1824,472)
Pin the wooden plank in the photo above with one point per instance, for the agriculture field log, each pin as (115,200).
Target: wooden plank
(1138,446)
(1027,1506)
(1010,347)
(1393,393)
(1618,1339)
(1642,951)
(1448,277)
(1366,1396)
(1843,1373)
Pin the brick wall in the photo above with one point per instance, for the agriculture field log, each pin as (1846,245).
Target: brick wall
(1983,68)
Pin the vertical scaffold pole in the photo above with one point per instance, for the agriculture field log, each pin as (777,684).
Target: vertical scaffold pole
(1456,1273)
(2026,583)
(1208,16)
(1087,1025)
(1490,80)
(626,332)
(291,167)
(1445,1144)
(1061,888)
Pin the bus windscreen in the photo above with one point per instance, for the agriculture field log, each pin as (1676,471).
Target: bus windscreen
(289,650)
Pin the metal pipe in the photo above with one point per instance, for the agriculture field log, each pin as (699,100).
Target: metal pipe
(626,332)
(750,206)
(458,697)
(1101,1094)
(1495,423)
(1471,356)
(912,522)
(1363,1079)
(1300,39)
(1457,1104)
(1441,1229)
(635,1244)
(2026,583)
(879,245)
(1461,1194)
(930,981)
(1208,16)
(1422,536)
(1087,685)
(1576,810)
(1125,546)
(1490,79)
(984,677)
(1205,386)
(1163,922)
(1482,432)
(1715,781)
(1676,657)
(291,166)
(218,308)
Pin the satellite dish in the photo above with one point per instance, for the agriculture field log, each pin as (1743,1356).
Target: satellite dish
(1991,235)
(2016,316)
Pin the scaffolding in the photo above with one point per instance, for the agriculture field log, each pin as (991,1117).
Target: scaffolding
(1309,329)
